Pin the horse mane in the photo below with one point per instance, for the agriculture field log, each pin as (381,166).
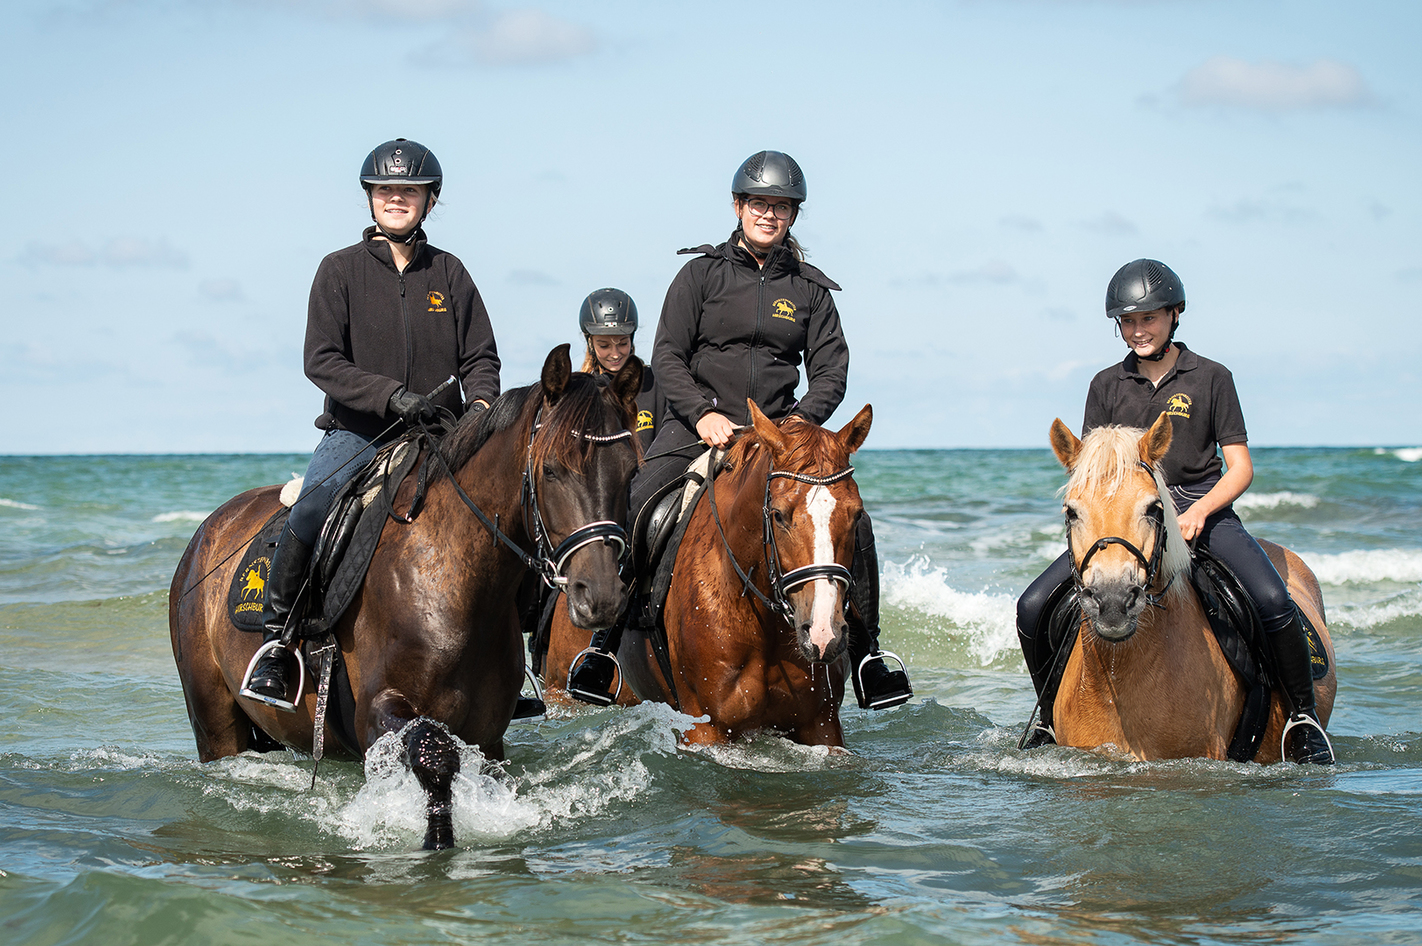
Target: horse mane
(581,409)
(812,450)
(1107,456)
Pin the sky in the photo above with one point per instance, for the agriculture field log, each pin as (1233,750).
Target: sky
(977,170)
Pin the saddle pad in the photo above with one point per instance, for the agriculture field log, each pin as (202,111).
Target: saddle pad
(249,582)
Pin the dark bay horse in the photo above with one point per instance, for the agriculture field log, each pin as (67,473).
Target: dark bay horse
(755,617)
(433,635)
(1151,680)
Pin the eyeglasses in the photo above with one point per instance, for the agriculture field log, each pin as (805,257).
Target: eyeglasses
(761,207)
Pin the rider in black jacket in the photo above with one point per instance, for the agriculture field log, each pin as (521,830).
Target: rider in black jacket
(389,317)
(737,323)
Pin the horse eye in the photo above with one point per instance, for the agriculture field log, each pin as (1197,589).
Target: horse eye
(778,516)
(1070,514)
(1155,511)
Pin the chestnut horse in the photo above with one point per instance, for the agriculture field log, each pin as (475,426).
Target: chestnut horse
(1146,674)
(755,616)
(433,634)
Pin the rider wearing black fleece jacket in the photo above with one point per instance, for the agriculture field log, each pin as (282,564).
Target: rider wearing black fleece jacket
(731,329)
(371,329)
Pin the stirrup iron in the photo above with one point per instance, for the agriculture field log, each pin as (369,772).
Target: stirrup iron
(888,701)
(283,705)
(597,699)
(1303,719)
(530,707)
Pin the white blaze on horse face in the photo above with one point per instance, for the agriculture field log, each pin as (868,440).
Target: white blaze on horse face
(820,505)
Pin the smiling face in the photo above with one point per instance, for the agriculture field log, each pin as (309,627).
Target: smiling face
(1147,332)
(398,208)
(764,231)
(612,351)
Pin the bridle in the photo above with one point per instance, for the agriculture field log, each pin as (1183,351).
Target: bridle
(783,582)
(552,561)
(1151,565)
(547,561)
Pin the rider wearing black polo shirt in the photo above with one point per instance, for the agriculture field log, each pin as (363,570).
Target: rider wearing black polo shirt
(1160,375)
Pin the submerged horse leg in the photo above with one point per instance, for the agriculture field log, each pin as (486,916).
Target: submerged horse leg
(432,756)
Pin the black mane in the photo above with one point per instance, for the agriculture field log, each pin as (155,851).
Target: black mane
(581,408)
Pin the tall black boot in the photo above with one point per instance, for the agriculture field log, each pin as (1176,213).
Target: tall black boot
(875,685)
(590,676)
(268,680)
(1304,739)
(1039,665)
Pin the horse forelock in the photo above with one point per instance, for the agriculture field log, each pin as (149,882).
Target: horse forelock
(1108,458)
(810,449)
(586,406)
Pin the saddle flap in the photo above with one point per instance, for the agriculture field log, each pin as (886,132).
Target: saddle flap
(248,591)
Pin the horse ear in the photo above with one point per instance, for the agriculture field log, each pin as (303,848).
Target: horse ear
(852,434)
(1156,442)
(765,428)
(1064,444)
(557,369)
(627,384)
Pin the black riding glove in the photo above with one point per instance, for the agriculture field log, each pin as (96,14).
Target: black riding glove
(412,408)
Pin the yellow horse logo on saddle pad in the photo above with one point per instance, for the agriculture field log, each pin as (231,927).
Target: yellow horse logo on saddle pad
(783,309)
(1178,406)
(254,584)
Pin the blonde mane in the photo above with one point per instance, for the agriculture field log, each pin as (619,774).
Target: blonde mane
(1107,457)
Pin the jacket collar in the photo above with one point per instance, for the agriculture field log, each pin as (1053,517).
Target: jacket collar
(380,249)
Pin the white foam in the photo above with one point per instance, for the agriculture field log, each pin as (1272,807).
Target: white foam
(181,516)
(1365,566)
(16,504)
(1405,454)
(989,620)
(1275,500)
(1371,615)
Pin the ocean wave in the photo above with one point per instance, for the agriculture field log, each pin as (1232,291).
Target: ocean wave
(15,504)
(1405,454)
(1275,500)
(182,515)
(989,620)
(1364,566)
(1371,615)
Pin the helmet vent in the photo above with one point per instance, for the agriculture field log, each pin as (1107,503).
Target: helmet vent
(754,166)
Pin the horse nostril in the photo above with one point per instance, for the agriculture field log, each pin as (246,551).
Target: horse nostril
(1133,596)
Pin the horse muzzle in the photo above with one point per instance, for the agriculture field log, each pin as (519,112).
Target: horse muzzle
(1114,608)
(818,619)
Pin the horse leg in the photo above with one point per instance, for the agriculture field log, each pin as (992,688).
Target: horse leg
(431,754)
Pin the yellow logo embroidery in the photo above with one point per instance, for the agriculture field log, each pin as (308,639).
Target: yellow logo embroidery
(254,585)
(436,300)
(644,421)
(783,309)
(1178,406)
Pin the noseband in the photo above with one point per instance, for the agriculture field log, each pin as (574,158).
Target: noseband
(783,582)
(1151,565)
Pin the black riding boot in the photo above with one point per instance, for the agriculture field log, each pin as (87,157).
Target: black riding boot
(1304,740)
(1038,662)
(590,678)
(269,678)
(875,685)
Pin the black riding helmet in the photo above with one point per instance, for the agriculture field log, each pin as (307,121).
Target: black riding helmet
(1145,285)
(769,174)
(608,312)
(405,162)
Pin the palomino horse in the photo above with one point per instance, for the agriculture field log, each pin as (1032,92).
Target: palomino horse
(433,635)
(1146,674)
(755,616)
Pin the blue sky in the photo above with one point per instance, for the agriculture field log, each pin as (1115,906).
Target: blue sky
(977,170)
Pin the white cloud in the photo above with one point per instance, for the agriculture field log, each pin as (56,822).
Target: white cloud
(222,290)
(993,271)
(1274,86)
(1264,211)
(120,251)
(1111,224)
(1021,222)
(523,37)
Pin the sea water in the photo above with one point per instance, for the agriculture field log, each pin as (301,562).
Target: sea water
(598,828)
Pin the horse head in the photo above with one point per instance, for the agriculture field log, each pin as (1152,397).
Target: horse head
(811,508)
(1120,522)
(582,454)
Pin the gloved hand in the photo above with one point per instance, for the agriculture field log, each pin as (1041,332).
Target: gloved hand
(411,407)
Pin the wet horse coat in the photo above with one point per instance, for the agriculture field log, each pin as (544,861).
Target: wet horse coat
(1146,674)
(432,637)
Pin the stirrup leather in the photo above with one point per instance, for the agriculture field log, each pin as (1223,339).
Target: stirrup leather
(885,702)
(283,705)
(598,699)
(1303,719)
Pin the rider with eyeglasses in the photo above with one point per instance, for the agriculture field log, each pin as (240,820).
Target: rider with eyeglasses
(737,323)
